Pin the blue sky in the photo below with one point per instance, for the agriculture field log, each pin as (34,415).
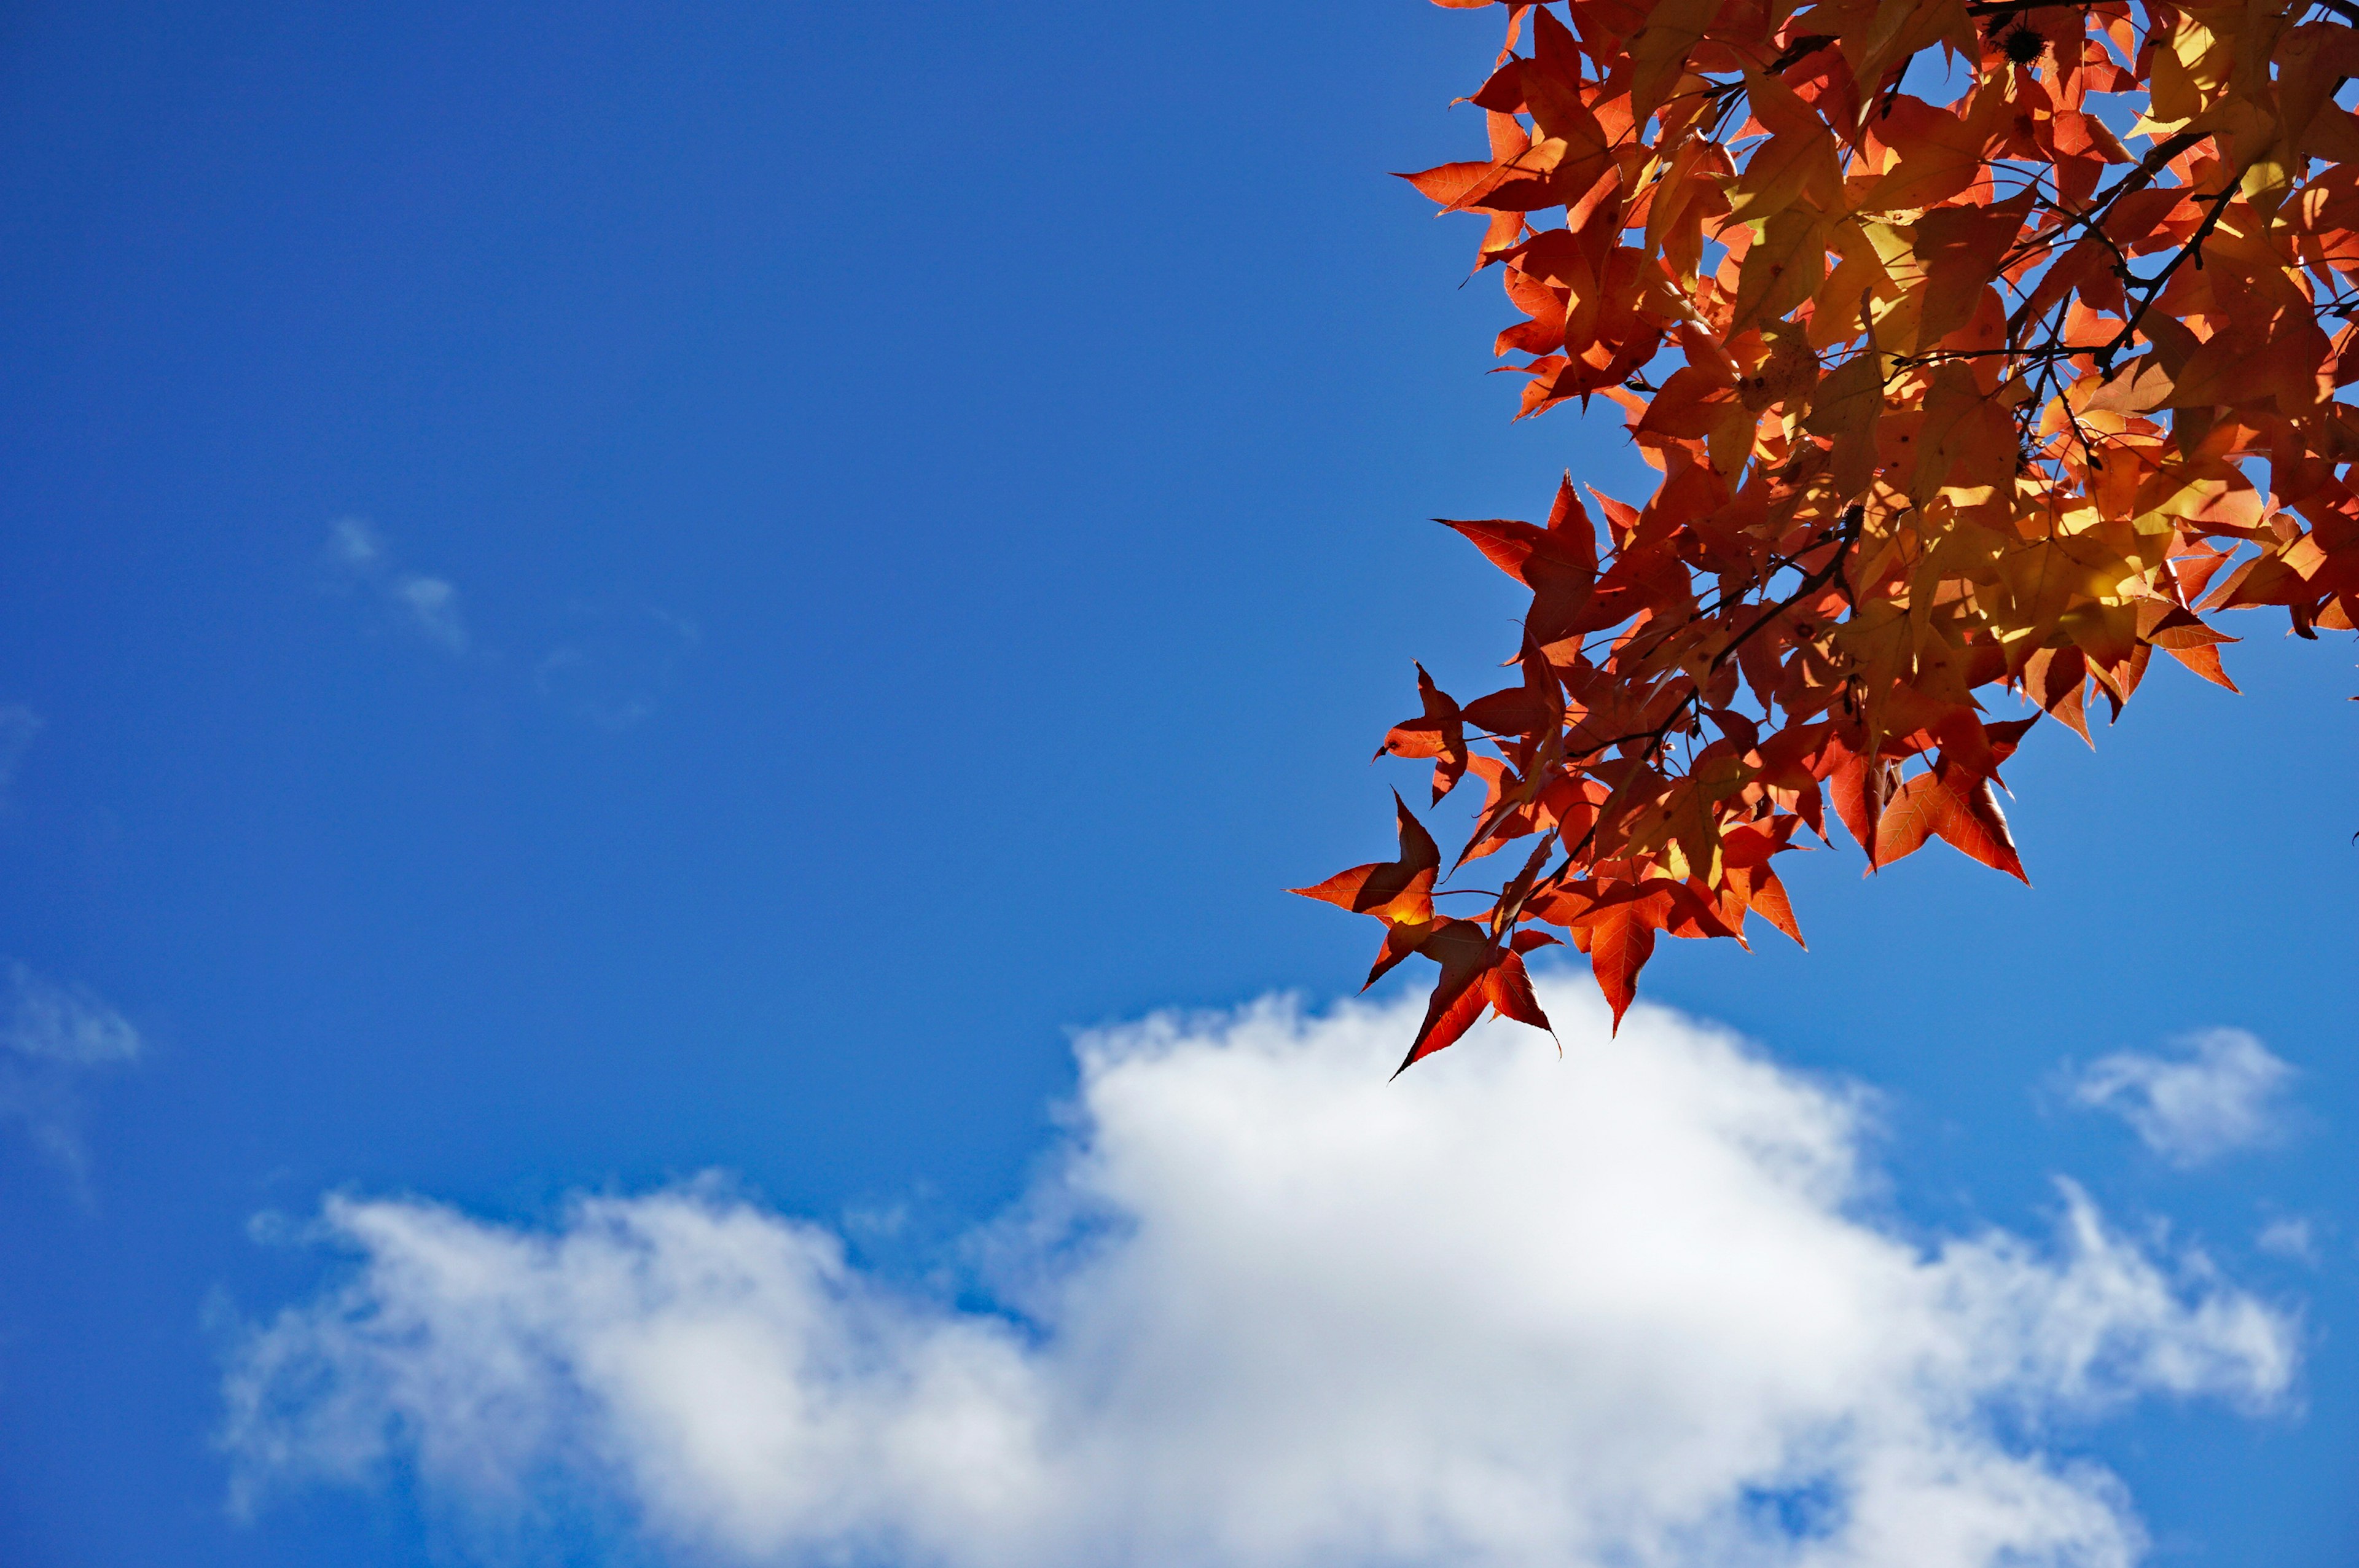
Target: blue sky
(594,599)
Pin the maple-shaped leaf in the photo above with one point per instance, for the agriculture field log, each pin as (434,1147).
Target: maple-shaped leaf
(2057,679)
(1941,153)
(1618,943)
(1963,248)
(1844,408)
(1477,975)
(1395,890)
(1614,922)
(1858,784)
(2135,388)
(1558,562)
(1659,49)
(2181,634)
(1439,734)
(1746,851)
(1954,805)
(1534,708)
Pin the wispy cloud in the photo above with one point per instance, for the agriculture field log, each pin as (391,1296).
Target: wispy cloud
(614,665)
(19,726)
(2287,1237)
(356,554)
(1267,1310)
(2215,1092)
(355,545)
(433,608)
(51,1038)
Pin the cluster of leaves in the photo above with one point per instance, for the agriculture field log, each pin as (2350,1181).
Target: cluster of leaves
(1949,400)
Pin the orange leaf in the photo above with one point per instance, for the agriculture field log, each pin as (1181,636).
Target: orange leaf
(1619,945)
(1958,807)
(1398,890)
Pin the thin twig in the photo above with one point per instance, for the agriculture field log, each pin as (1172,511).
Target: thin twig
(2194,247)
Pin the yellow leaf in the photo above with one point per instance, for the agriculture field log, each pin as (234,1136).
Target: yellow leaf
(1845,409)
(1658,51)
(1784,267)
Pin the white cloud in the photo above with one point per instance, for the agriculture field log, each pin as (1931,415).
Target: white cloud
(356,553)
(2287,1238)
(64,1024)
(51,1036)
(432,605)
(616,663)
(2220,1092)
(355,545)
(1267,1310)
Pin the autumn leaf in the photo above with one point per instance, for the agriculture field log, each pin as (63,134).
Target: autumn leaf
(1958,807)
(1439,733)
(1955,407)
(1396,890)
(1618,945)
(1558,562)
(1477,975)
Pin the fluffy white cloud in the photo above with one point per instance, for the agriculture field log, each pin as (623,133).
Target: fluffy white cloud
(2219,1093)
(1266,1309)
(49,1036)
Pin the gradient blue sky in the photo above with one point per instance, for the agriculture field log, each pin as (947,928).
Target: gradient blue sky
(928,505)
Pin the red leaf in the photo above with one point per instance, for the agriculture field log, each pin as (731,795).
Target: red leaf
(1619,946)
(1439,734)
(1399,889)
(1956,806)
(1474,976)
